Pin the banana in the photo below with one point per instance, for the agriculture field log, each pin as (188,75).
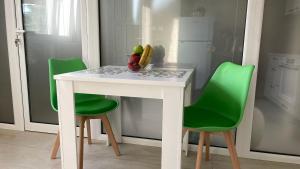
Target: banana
(146,56)
(148,59)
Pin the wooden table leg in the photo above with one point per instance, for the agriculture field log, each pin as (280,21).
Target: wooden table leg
(187,102)
(81,142)
(65,95)
(172,128)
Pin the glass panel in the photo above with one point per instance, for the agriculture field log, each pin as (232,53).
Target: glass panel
(198,33)
(52,30)
(276,119)
(6,106)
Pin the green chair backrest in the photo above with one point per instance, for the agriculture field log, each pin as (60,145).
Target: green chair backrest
(227,91)
(59,66)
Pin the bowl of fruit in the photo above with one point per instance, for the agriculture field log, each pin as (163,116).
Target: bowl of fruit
(140,58)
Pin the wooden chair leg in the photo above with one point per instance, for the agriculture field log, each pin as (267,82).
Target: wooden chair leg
(200,149)
(55,147)
(184,130)
(88,127)
(110,134)
(81,142)
(185,140)
(232,150)
(207,145)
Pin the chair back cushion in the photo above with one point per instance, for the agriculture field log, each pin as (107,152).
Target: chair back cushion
(59,66)
(227,91)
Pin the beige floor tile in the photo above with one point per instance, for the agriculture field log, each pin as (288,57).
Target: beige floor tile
(29,150)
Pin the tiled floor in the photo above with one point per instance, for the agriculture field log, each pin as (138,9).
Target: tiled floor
(29,150)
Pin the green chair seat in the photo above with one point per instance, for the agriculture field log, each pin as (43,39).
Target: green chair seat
(206,120)
(95,107)
(79,97)
(85,104)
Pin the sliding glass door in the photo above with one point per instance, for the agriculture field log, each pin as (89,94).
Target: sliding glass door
(52,30)
(276,119)
(198,34)
(32,32)
(6,102)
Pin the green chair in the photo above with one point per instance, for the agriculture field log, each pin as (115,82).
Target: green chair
(220,107)
(87,106)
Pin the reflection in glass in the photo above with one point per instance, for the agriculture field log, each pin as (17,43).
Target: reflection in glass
(195,33)
(276,119)
(6,107)
(52,30)
(55,17)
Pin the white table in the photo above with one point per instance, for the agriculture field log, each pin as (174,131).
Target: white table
(169,84)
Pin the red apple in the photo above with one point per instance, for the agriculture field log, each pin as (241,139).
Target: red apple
(134,58)
(133,62)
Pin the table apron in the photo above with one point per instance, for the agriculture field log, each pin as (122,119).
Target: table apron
(114,89)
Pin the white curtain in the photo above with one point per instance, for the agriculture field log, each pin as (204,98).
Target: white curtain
(52,17)
(63,17)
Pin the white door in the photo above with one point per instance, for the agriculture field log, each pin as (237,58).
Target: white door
(31,33)
(48,29)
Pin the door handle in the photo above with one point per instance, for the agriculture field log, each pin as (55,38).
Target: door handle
(20,31)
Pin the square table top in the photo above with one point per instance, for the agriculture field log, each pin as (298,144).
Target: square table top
(121,74)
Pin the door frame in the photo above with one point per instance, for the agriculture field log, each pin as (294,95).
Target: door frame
(252,45)
(15,79)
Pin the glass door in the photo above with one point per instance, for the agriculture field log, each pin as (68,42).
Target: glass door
(276,119)
(52,30)
(199,34)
